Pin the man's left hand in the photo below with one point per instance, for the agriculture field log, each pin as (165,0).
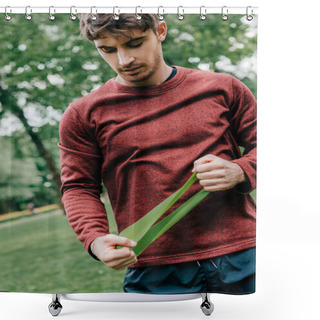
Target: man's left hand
(217,174)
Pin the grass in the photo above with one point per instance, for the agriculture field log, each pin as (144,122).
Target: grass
(41,254)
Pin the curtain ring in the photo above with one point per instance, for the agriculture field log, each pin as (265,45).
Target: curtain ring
(138,17)
(52,11)
(73,12)
(224,13)
(203,13)
(116,14)
(160,15)
(6,14)
(93,15)
(180,13)
(249,16)
(28,12)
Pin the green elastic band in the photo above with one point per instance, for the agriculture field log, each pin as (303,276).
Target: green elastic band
(161,227)
(145,231)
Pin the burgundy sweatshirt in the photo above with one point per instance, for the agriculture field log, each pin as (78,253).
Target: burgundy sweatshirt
(141,142)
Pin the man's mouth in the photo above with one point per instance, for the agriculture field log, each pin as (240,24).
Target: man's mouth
(131,71)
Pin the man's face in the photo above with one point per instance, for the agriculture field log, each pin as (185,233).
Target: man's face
(136,57)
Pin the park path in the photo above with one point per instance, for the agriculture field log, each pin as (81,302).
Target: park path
(6,224)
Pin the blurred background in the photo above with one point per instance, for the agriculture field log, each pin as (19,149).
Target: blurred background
(44,66)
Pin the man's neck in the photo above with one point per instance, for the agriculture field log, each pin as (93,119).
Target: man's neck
(172,74)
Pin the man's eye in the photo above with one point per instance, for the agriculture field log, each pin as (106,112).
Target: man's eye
(105,50)
(134,45)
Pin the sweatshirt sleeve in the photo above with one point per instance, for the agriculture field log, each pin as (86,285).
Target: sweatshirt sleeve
(81,179)
(243,124)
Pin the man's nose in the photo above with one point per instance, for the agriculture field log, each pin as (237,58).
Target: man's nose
(125,59)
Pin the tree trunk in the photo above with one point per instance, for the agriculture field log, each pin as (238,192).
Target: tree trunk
(43,152)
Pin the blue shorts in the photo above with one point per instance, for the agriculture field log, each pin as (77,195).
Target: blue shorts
(231,274)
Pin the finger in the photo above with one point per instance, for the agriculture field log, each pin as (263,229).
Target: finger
(218,187)
(122,262)
(208,166)
(212,182)
(121,241)
(216,174)
(199,161)
(115,254)
(214,164)
(126,264)
(204,159)
(119,263)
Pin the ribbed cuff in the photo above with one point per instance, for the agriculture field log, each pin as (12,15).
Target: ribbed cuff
(250,176)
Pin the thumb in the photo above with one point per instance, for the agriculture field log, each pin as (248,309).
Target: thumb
(122,241)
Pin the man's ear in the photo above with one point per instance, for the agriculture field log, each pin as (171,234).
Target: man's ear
(162,31)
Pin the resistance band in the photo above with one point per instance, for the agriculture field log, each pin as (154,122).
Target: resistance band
(144,231)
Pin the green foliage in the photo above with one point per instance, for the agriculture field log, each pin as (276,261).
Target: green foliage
(16,187)
(215,45)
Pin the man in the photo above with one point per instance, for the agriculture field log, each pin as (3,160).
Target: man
(142,134)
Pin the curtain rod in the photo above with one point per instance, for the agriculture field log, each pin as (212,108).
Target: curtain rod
(181,10)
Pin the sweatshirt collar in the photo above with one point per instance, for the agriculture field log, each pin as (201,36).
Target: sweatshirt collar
(149,90)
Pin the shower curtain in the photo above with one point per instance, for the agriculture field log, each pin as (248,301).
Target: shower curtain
(142,142)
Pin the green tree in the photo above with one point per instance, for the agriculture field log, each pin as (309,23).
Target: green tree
(38,63)
(214,45)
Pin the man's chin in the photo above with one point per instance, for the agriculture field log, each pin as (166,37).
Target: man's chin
(135,80)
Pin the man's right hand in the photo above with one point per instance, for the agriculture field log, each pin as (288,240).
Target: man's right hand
(104,248)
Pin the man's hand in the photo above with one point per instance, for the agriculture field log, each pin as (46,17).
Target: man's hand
(104,248)
(217,174)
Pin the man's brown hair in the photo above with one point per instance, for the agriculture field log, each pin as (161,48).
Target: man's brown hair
(105,23)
